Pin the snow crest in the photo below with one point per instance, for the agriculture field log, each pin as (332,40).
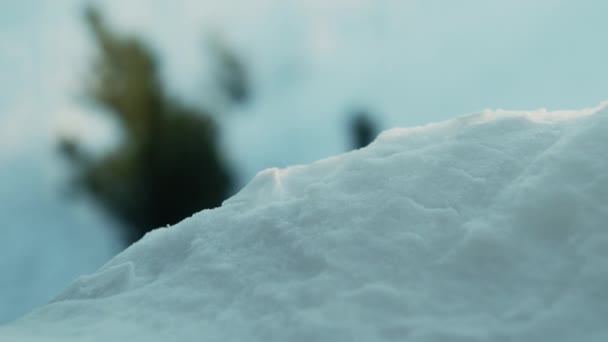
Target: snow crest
(489,227)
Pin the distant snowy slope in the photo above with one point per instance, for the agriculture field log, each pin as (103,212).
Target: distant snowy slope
(489,227)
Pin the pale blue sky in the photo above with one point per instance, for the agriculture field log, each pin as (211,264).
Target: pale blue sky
(412,61)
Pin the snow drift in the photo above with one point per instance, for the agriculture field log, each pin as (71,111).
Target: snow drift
(489,227)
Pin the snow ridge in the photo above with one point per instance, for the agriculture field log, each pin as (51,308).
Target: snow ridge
(488,227)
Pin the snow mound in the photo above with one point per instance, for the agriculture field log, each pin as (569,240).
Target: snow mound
(489,227)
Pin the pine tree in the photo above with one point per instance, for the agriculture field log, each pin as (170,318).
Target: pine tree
(168,164)
(363,129)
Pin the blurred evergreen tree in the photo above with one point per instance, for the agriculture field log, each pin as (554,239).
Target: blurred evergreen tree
(230,72)
(168,164)
(362,128)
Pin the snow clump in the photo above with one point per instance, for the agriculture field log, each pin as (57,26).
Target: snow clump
(488,227)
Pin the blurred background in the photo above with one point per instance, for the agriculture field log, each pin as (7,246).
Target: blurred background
(117,117)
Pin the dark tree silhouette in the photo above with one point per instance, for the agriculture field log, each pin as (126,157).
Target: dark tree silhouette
(168,164)
(230,72)
(363,129)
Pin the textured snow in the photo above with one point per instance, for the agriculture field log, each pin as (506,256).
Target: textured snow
(488,227)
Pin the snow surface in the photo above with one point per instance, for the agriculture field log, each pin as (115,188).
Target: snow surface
(489,227)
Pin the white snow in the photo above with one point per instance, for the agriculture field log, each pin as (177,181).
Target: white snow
(489,227)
